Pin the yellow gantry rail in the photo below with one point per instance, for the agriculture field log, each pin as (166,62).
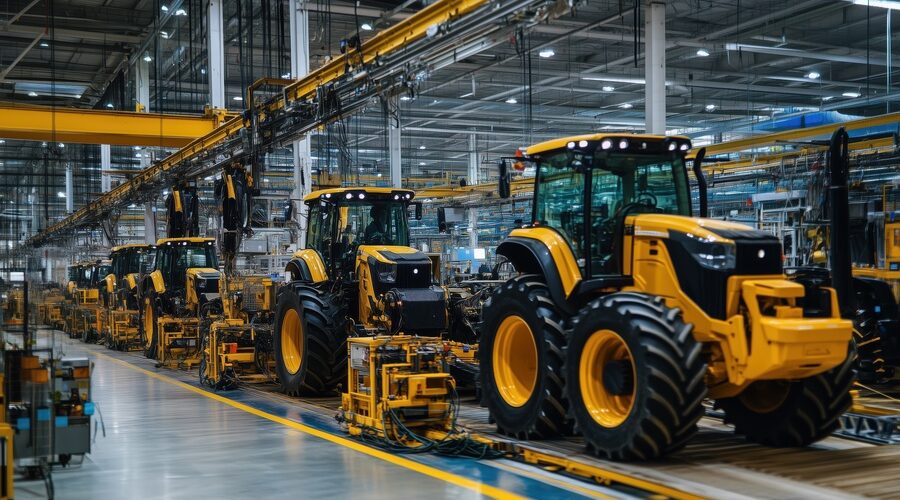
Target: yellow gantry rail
(90,126)
(390,40)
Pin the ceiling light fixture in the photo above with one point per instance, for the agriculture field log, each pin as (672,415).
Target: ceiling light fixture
(77,96)
(813,75)
(286,75)
(512,100)
(852,95)
(180,12)
(884,4)
(45,44)
(608,88)
(164,34)
(626,105)
(60,194)
(422,146)
(702,52)
(405,98)
(237,98)
(421,163)
(109,105)
(32,94)
(147,57)
(366,27)
(470,94)
(547,53)
(710,107)
(165,8)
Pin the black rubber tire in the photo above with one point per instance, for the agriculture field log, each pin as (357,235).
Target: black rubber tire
(149,302)
(323,366)
(545,413)
(808,413)
(669,369)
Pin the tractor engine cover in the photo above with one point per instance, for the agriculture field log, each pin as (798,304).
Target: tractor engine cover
(421,311)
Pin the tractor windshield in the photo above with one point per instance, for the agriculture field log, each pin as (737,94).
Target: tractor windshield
(613,186)
(176,257)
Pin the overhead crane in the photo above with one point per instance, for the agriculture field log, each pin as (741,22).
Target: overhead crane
(395,59)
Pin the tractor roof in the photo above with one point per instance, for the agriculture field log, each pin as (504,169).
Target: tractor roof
(130,246)
(377,192)
(163,241)
(564,141)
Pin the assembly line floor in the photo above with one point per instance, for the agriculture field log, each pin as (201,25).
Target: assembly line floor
(166,438)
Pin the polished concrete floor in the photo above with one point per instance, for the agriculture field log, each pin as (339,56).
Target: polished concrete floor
(165,438)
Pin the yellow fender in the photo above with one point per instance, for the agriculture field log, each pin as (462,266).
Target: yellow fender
(156,280)
(110,281)
(307,265)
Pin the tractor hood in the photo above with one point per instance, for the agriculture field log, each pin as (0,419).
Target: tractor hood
(711,230)
(397,266)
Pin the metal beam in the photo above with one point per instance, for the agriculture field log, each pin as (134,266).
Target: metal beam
(19,58)
(874,59)
(299,25)
(655,67)
(83,126)
(394,150)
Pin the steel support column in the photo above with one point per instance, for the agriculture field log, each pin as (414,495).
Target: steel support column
(655,67)
(105,167)
(299,26)
(70,195)
(216,51)
(141,86)
(473,179)
(394,152)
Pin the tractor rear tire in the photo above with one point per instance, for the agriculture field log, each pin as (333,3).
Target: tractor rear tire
(870,363)
(634,377)
(792,413)
(310,340)
(522,354)
(149,325)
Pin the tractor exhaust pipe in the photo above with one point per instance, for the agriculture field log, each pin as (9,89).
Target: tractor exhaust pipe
(839,214)
(701,182)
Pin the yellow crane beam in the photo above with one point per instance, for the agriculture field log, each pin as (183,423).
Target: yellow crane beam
(91,126)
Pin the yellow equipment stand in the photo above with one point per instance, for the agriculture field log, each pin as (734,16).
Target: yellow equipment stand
(178,344)
(396,383)
(123,331)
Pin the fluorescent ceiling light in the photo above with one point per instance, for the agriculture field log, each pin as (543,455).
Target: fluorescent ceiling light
(238,98)
(702,52)
(164,34)
(545,53)
(180,12)
(852,95)
(147,57)
(421,163)
(60,194)
(77,96)
(165,8)
(470,94)
(812,75)
(286,75)
(422,146)
(710,107)
(828,98)
(617,79)
(109,105)
(45,44)
(366,27)
(61,145)
(512,100)
(608,88)
(626,105)
(884,4)
(32,94)
(405,98)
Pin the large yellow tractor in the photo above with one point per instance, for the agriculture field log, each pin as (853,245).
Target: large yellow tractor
(356,276)
(184,277)
(120,294)
(627,312)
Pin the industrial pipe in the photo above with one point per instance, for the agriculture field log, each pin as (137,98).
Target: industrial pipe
(839,214)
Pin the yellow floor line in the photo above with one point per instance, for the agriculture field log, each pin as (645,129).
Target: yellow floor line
(483,489)
(580,489)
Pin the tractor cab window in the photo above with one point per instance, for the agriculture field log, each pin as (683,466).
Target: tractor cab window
(619,185)
(84,277)
(100,272)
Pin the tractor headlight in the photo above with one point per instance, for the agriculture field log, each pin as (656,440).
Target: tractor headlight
(387,273)
(708,253)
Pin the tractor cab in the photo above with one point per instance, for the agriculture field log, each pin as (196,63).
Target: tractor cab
(343,220)
(186,272)
(127,264)
(587,186)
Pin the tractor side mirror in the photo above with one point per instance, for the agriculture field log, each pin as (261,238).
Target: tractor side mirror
(701,182)
(417,206)
(503,181)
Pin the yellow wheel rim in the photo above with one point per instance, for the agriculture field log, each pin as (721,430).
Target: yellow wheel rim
(149,321)
(515,359)
(291,341)
(605,407)
(765,396)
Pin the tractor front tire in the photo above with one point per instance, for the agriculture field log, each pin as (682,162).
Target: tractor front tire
(149,325)
(522,354)
(782,413)
(310,340)
(634,377)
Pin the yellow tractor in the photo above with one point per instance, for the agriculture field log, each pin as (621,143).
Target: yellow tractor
(183,279)
(357,276)
(628,312)
(120,294)
(87,316)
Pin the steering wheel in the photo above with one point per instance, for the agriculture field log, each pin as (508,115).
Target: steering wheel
(646,196)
